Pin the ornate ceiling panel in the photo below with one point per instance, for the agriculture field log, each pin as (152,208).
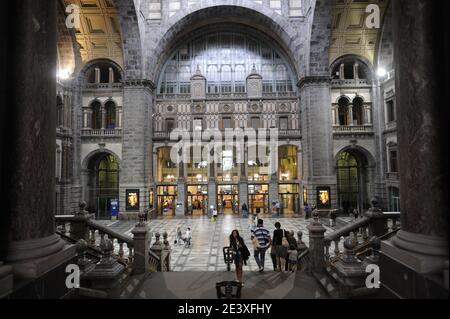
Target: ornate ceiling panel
(350,34)
(99,33)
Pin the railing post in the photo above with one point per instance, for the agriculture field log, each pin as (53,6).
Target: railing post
(378,225)
(157,249)
(78,227)
(350,271)
(317,244)
(140,243)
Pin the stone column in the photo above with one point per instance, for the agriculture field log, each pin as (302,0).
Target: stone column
(356,71)
(137,154)
(342,72)
(317,132)
(212,187)
(33,248)
(103,110)
(422,81)
(111,75)
(97,75)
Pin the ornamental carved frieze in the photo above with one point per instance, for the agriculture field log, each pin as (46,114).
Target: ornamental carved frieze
(284,107)
(226,108)
(198,108)
(255,107)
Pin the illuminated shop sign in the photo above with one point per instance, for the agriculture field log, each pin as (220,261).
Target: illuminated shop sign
(132,199)
(323,198)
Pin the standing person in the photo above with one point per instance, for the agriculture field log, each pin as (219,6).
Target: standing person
(240,252)
(307,211)
(214,215)
(244,210)
(178,236)
(280,250)
(263,236)
(188,237)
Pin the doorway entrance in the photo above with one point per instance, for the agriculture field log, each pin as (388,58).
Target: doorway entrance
(228,199)
(166,200)
(197,199)
(290,199)
(258,198)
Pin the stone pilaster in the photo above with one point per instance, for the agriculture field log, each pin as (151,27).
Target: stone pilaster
(317,142)
(136,164)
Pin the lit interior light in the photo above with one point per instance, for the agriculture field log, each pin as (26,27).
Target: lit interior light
(63,74)
(381,72)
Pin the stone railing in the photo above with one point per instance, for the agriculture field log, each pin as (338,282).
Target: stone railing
(160,254)
(374,223)
(108,86)
(101,133)
(353,129)
(131,252)
(351,82)
(360,241)
(290,133)
(392,177)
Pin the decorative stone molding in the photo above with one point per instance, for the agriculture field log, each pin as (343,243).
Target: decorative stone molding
(284,107)
(226,107)
(139,83)
(255,107)
(198,108)
(313,80)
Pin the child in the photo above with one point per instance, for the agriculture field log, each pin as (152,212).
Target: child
(214,216)
(293,258)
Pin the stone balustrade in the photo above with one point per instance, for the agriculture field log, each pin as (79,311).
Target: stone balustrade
(101,133)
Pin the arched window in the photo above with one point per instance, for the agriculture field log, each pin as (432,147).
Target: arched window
(110,108)
(225,79)
(103,72)
(213,79)
(343,111)
(358,111)
(96,122)
(348,181)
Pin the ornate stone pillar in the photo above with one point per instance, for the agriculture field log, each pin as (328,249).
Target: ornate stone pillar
(33,247)
(421,80)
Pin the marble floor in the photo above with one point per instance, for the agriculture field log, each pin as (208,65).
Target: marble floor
(209,238)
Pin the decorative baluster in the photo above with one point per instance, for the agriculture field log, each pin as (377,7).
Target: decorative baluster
(327,251)
(102,238)
(63,228)
(130,255)
(336,247)
(365,233)
(92,238)
(121,252)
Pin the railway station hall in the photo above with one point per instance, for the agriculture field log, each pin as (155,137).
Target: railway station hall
(204,149)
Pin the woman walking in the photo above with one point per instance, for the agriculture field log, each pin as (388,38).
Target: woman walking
(280,246)
(241,253)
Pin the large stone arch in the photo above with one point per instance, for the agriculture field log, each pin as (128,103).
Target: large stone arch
(244,12)
(320,38)
(92,155)
(131,30)
(384,55)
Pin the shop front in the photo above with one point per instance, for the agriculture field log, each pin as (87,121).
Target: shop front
(197,199)
(258,198)
(228,199)
(167,196)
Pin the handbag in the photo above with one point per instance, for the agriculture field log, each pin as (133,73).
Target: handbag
(284,241)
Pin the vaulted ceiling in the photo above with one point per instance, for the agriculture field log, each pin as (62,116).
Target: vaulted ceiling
(350,34)
(99,33)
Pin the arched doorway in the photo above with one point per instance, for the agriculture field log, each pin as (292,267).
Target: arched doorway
(103,184)
(352,180)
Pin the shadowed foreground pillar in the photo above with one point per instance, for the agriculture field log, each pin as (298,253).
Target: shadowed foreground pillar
(422,244)
(33,247)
